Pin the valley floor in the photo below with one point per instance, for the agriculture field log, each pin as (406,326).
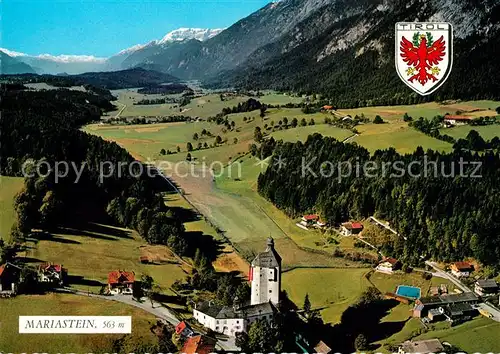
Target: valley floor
(230,202)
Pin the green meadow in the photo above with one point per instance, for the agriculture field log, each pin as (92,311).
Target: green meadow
(9,186)
(329,290)
(488,132)
(11,341)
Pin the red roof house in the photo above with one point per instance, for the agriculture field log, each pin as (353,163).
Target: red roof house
(184,329)
(349,228)
(454,119)
(199,344)
(310,217)
(357,226)
(461,269)
(121,279)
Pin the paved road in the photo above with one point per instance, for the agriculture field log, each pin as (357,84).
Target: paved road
(450,277)
(492,310)
(159,311)
(154,308)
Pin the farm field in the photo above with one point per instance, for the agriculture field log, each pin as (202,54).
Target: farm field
(428,110)
(9,186)
(71,305)
(275,98)
(145,141)
(205,106)
(488,132)
(92,251)
(301,133)
(397,134)
(331,290)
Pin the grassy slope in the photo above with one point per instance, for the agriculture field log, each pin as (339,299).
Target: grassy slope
(65,304)
(428,110)
(488,132)
(480,334)
(331,290)
(92,255)
(9,186)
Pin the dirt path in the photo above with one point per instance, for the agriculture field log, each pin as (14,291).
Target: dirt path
(121,110)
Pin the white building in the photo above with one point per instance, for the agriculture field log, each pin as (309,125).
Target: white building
(387,266)
(265,278)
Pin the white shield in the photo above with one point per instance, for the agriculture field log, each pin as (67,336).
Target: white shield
(424,54)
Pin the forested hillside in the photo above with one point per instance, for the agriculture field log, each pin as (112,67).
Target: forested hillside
(110,80)
(444,217)
(44,139)
(352,61)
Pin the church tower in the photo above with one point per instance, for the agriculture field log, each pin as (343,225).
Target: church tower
(265,276)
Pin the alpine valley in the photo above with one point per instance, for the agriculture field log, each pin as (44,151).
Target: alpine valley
(333,46)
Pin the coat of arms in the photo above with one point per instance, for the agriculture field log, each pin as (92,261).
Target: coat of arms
(424,54)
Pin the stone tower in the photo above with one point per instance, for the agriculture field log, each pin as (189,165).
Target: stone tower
(265,276)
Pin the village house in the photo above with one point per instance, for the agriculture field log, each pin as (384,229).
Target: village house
(327,108)
(120,282)
(485,287)
(50,273)
(311,220)
(425,304)
(265,278)
(388,265)
(183,329)
(9,279)
(457,119)
(460,311)
(351,228)
(461,269)
(436,315)
(421,346)
(199,344)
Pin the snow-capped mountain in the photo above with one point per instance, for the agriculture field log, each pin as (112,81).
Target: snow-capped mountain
(75,64)
(181,34)
(178,35)
(11,53)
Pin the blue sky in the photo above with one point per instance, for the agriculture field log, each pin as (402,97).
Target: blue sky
(104,27)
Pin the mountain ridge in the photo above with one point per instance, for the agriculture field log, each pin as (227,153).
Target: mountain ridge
(77,64)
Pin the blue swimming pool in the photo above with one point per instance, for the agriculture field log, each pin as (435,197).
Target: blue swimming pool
(408,291)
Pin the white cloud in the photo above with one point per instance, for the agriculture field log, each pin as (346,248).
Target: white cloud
(72,58)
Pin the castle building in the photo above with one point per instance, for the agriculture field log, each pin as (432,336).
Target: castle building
(265,279)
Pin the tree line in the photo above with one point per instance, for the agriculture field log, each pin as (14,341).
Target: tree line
(443,217)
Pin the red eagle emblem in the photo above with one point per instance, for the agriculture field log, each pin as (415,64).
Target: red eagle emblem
(422,54)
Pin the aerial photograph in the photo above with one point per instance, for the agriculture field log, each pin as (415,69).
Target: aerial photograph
(249,176)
